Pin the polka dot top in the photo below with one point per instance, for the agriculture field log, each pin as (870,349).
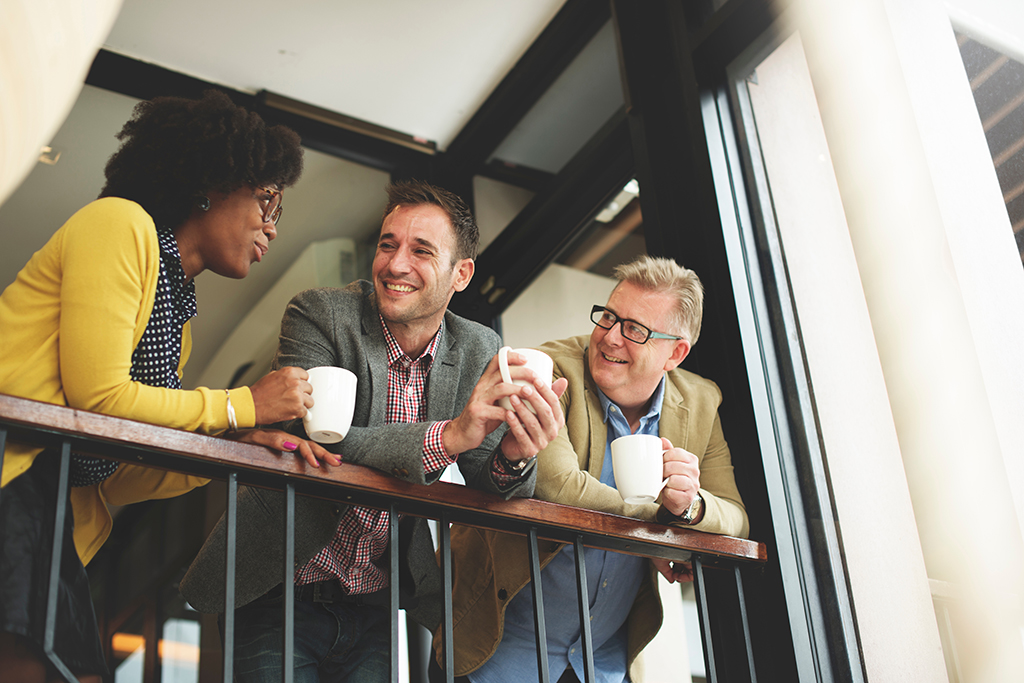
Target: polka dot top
(155,360)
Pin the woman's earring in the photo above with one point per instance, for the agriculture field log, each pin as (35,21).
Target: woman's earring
(203,203)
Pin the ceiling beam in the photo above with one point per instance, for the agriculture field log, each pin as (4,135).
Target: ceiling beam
(516,174)
(145,81)
(539,233)
(543,62)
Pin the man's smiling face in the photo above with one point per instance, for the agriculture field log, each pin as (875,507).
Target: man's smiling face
(413,272)
(628,373)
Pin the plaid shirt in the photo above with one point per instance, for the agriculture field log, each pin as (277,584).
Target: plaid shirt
(362,534)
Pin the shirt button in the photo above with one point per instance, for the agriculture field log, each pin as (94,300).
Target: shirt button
(604,585)
(572,651)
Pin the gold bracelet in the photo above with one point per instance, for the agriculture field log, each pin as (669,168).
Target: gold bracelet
(232,419)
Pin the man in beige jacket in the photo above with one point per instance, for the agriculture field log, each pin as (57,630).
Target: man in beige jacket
(623,379)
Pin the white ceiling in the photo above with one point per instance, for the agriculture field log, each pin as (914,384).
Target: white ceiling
(421,67)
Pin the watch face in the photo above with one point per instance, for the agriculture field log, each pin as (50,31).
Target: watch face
(694,510)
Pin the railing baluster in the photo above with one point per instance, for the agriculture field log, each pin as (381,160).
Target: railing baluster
(583,596)
(231,524)
(3,447)
(288,586)
(444,531)
(746,624)
(55,559)
(539,626)
(700,589)
(393,585)
(374,490)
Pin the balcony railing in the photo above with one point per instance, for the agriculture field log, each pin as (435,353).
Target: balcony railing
(69,430)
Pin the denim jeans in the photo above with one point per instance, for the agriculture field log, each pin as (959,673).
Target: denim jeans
(338,642)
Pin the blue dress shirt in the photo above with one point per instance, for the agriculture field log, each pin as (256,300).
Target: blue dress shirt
(613,581)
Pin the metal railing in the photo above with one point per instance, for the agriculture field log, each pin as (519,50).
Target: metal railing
(69,430)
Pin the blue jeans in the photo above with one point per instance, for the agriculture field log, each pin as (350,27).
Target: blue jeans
(338,642)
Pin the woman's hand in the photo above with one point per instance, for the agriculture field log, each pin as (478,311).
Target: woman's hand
(283,394)
(311,451)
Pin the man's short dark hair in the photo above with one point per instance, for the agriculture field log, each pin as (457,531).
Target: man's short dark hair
(416,192)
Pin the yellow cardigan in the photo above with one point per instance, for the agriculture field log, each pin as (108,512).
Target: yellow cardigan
(68,326)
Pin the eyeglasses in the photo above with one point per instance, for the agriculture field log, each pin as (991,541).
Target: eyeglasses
(271,204)
(631,329)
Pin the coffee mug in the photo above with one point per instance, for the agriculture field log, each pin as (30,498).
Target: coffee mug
(638,464)
(334,400)
(538,361)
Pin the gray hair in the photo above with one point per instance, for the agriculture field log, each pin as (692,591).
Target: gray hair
(663,275)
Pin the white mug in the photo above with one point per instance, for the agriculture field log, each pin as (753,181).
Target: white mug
(538,361)
(638,464)
(334,400)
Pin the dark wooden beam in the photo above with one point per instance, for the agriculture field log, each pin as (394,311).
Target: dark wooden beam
(539,233)
(728,32)
(144,81)
(563,38)
(516,174)
(677,192)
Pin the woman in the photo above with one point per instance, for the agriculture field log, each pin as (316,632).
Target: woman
(97,320)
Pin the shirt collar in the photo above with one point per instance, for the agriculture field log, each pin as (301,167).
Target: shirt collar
(182,289)
(395,352)
(656,400)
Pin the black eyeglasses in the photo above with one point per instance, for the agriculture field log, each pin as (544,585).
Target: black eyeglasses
(271,204)
(631,329)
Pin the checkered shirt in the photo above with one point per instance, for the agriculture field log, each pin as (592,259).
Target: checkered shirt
(362,535)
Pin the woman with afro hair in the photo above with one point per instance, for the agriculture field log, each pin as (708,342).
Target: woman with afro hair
(98,320)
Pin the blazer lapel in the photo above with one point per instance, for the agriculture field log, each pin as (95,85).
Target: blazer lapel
(674,424)
(598,429)
(444,378)
(376,351)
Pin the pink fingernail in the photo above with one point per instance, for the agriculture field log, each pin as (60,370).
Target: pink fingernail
(289,446)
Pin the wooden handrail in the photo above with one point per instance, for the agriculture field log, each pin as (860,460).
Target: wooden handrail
(130,441)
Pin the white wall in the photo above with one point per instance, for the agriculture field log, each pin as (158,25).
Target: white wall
(557,305)
(496,204)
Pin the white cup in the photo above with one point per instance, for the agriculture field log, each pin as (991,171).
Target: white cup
(638,464)
(334,400)
(538,361)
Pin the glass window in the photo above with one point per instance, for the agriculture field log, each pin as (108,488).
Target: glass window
(997,82)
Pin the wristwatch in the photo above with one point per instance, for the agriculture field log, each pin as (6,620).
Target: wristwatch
(517,466)
(692,513)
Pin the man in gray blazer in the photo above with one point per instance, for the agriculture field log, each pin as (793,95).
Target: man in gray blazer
(427,395)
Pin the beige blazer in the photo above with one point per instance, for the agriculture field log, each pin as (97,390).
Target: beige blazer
(490,567)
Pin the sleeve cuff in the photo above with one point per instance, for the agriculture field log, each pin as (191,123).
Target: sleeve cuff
(434,456)
(245,408)
(504,473)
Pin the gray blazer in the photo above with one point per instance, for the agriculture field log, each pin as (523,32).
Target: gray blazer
(342,327)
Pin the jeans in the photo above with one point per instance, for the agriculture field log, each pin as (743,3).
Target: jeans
(337,642)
